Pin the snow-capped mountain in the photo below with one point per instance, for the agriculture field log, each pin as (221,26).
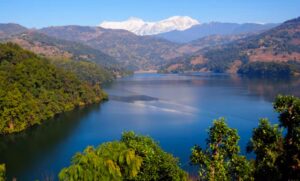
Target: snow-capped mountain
(140,27)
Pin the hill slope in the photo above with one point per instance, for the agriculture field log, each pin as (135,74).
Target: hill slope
(214,28)
(279,45)
(135,52)
(32,90)
(8,29)
(56,48)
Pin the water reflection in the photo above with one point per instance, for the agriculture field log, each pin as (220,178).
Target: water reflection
(22,151)
(175,110)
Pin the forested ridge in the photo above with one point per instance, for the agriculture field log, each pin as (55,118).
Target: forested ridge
(32,89)
(86,70)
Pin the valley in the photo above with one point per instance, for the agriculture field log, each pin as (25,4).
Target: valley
(158,96)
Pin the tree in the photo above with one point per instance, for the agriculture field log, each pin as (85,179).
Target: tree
(110,161)
(134,157)
(266,143)
(278,154)
(2,172)
(157,164)
(220,160)
(289,109)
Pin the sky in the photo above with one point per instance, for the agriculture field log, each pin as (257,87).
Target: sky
(42,13)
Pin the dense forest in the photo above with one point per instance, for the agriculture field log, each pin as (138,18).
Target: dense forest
(85,70)
(32,89)
(135,157)
(266,69)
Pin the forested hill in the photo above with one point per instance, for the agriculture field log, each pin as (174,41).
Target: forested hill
(33,90)
(279,45)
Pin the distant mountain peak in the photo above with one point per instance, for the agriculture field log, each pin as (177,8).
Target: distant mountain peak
(140,27)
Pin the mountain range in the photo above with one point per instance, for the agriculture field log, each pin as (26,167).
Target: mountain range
(140,27)
(213,28)
(132,51)
(277,48)
(227,45)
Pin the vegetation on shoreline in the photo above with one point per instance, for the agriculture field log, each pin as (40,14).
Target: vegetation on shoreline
(33,90)
(85,70)
(266,69)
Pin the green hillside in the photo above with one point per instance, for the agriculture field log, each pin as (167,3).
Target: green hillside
(33,90)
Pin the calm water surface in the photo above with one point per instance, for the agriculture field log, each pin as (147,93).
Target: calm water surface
(175,110)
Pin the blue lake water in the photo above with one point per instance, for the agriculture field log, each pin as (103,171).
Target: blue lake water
(176,110)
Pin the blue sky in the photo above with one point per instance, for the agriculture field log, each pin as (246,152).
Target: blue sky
(41,13)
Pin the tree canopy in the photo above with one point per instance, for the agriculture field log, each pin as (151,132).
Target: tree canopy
(220,160)
(134,157)
(277,147)
(32,89)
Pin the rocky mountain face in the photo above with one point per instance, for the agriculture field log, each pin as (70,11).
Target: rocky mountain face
(278,45)
(140,27)
(214,28)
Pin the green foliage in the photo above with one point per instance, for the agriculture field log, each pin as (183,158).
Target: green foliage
(132,158)
(289,109)
(110,161)
(32,90)
(277,154)
(157,164)
(266,143)
(86,71)
(266,69)
(220,59)
(2,172)
(220,159)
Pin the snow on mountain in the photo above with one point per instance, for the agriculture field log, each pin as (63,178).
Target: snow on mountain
(140,27)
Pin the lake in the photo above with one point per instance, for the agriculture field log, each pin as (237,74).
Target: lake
(176,110)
